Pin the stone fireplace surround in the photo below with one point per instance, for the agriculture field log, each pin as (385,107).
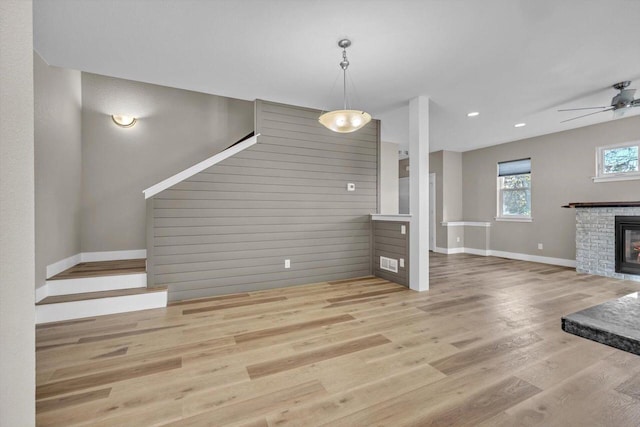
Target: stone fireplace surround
(595,236)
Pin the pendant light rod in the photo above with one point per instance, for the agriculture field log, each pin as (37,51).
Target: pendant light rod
(344,64)
(344,121)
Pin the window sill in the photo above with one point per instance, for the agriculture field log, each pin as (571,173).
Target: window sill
(627,177)
(513,219)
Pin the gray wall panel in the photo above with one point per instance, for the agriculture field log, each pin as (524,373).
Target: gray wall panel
(389,242)
(230,228)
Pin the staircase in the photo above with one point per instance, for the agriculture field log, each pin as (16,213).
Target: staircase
(97,288)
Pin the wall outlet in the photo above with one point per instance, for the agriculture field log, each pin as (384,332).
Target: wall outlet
(351,186)
(403,229)
(287,263)
(458,239)
(402,261)
(540,246)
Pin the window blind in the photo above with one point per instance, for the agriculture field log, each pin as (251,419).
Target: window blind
(514,167)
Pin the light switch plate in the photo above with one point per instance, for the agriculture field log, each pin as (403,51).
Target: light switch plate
(287,263)
(401,262)
(403,229)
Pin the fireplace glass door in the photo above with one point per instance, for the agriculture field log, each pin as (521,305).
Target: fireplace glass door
(628,244)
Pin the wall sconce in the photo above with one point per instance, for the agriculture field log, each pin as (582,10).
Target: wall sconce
(124,121)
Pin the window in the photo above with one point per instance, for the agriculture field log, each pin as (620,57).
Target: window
(618,162)
(514,190)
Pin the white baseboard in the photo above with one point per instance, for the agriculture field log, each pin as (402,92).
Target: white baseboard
(481,252)
(511,255)
(96,284)
(62,265)
(449,251)
(42,292)
(98,307)
(113,255)
(535,258)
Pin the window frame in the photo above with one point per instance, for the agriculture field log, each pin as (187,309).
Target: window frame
(500,216)
(601,176)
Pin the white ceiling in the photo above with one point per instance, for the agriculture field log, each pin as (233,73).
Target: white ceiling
(511,60)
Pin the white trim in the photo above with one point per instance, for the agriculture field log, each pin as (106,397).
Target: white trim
(465,223)
(396,217)
(112,255)
(98,307)
(481,252)
(626,177)
(621,176)
(42,292)
(535,258)
(96,284)
(449,251)
(205,164)
(511,255)
(507,219)
(62,265)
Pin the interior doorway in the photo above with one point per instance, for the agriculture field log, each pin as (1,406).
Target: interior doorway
(432,211)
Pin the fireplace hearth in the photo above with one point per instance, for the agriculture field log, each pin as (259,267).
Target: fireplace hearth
(627,244)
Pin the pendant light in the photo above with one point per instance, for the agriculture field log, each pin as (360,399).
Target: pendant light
(344,121)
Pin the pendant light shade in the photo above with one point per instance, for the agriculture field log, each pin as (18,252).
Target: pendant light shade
(344,121)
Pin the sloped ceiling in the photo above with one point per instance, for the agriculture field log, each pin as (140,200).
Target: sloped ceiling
(511,60)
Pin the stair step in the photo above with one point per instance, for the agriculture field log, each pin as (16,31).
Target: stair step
(103,268)
(98,295)
(90,304)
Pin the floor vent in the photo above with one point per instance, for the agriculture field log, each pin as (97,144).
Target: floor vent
(388,264)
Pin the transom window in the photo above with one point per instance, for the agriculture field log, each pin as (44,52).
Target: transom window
(618,162)
(514,190)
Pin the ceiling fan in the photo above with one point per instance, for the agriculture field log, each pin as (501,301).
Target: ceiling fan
(620,103)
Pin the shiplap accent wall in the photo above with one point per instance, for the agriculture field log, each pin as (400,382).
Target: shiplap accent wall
(388,241)
(230,228)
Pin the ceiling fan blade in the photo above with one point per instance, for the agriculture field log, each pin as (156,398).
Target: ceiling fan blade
(584,108)
(585,115)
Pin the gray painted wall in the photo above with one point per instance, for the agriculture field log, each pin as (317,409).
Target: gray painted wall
(230,228)
(388,241)
(389,184)
(436,165)
(58,151)
(17,248)
(562,165)
(176,129)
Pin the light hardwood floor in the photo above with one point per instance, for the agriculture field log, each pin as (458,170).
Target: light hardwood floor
(482,348)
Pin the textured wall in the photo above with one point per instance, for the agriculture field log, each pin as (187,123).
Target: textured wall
(595,241)
(230,228)
(58,158)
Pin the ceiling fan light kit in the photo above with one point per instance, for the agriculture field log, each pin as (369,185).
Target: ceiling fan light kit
(345,120)
(620,104)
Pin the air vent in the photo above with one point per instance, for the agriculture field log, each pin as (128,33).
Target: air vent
(388,264)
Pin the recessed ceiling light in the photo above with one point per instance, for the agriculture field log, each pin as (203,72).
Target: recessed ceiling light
(519,125)
(473,114)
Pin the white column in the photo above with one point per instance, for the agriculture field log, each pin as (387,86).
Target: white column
(419,193)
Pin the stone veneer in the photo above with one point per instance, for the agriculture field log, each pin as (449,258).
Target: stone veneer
(595,240)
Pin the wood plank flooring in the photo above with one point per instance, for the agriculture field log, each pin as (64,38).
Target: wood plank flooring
(482,348)
(103,268)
